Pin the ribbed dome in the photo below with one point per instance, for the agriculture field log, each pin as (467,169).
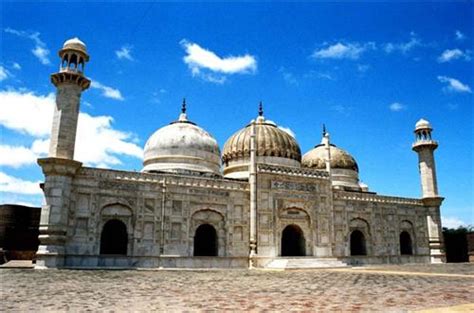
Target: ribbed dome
(274,146)
(182,146)
(340,159)
(270,140)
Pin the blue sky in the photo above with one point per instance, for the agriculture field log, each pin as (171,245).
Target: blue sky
(368,71)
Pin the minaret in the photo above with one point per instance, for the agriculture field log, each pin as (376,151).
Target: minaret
(326,142)
(59,168)
(70,83)
(424,145)
(253,187)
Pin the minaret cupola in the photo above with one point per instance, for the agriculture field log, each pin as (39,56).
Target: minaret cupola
(73,56)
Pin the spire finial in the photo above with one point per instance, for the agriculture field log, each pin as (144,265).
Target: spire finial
(324,130)
(183,107)
(260,109)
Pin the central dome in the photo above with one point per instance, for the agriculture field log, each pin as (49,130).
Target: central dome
(274,146)
(182,146)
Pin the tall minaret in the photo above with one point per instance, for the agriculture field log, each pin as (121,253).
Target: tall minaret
(59,168)
(424,145)
(70,83)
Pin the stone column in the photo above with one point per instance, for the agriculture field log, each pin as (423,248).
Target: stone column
(55,211)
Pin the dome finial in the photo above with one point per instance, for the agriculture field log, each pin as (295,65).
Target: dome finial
(260,109)
(183,106)
(324,129)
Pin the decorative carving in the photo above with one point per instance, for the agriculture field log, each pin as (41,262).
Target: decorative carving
(293,186)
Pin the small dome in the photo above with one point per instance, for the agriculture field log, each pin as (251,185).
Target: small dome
(274,146)
(422,124)
(340,159)
(75,43)
(182,146)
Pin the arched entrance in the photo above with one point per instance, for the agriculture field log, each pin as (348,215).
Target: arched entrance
(292,241)
(205,241)
(114,238)
(405,243)
(358,243)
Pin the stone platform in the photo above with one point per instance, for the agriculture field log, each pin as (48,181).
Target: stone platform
(403,288)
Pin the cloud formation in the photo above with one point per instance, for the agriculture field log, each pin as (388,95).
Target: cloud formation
(98,143)
(451,222)
(125,52)
(459,36)
(40,50)
(453,54)
(341,50)
(454,85)
(4,73)
(396,107)
(403,47)
(17,185)
(205,63)
(107,91)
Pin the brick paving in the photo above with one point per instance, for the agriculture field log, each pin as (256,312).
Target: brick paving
(238,290)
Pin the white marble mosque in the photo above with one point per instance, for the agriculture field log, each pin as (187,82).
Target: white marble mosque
(258,203)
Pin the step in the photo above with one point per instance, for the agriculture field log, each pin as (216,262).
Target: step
(304,262)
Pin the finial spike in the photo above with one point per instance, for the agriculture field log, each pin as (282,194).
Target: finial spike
(324,130)
(183,107)
(260,109)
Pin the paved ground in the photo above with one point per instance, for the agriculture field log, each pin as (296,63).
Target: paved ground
(381,289)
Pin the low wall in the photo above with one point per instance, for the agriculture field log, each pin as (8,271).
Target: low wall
(90,261)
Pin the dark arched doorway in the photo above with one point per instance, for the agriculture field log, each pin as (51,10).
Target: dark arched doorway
(405,243)
(205,241)
(292,241)
(358,243)
(114,238)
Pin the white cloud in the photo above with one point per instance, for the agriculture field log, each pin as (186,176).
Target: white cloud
(4,73)
(40,50)
(453,54)
(454,85)
(289,77)
(125,52)
(343,51)
(403,47)
(200,59)
(17,185)
(341,109)
(451,222)
(98,142)
(459,35)
(16,66)
(107,91)
(16,156)
(26,112)
(362,68)
(288,131)
(396,107)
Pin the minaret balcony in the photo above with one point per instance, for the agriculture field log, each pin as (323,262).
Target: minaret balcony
(419,144)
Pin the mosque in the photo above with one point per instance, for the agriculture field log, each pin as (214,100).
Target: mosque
(260,203)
